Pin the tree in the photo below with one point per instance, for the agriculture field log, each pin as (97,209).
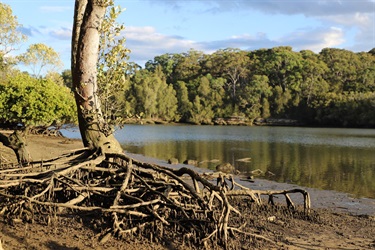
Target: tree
(253,96)
(35,102)
(168,63)
(31,102)
(67,78)
(10,34)
(343,66)
(203,103)
(10,37)
(188,65)
(313,83)
(231,64)
(95,131)
(41,59)
(184,104)
(112,66)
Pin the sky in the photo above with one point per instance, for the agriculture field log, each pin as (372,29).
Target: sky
(156,27)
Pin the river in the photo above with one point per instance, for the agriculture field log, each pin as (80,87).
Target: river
(325,158)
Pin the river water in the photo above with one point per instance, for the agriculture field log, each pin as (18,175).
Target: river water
(324,158)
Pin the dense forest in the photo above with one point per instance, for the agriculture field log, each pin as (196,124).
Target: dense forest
(333,88)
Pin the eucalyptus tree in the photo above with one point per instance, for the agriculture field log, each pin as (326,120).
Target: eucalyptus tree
(283,67)
(366,72)
(10,30)
(313,84)
(168,63)
(188,66)
(41,59)
(232,65)
(343,66)
(10,38)
(253,100)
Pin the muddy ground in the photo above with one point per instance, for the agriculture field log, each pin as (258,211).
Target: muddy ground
(337,221)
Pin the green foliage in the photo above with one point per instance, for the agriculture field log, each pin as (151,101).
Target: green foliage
(252,96)
(153,97)
(334,87)
(67,78)
(113,56)
(40,58)
(10,37)
(350,109)
(184,104)
(10,34)
(35,102)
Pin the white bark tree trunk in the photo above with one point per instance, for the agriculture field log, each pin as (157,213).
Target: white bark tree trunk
(88,17)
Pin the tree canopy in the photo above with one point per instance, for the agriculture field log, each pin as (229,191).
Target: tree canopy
(332,88)
(35,102)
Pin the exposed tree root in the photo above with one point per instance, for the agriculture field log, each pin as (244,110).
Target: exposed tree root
(131,198)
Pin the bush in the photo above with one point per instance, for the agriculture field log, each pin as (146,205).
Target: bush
(35,102)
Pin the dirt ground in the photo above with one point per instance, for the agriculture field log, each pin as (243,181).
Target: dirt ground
(345,224)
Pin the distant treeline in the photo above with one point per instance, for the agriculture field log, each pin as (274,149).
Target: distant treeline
(332,88)
(335,87)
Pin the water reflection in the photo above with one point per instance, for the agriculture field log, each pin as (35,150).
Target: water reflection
(334,159)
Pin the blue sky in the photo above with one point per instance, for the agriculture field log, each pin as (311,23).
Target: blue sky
(155,27)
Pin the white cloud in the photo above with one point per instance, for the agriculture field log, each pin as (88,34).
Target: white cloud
(355,19)
(314,39)
(146,43)
(61,33)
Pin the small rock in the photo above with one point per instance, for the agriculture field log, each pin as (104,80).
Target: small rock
(191,162)
(173,161)
(271,218)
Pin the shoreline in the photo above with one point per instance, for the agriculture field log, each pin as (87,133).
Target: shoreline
(43,148)
(322,199)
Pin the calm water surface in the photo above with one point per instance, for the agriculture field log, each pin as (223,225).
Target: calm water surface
(325,158)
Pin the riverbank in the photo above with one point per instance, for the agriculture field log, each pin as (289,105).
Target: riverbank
(43,148)
(327,199)
(337,221)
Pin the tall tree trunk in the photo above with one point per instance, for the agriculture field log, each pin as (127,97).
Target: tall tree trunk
(88,17)
(17,142)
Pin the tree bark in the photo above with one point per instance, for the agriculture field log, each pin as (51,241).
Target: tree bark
(95,132)
(17,142)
